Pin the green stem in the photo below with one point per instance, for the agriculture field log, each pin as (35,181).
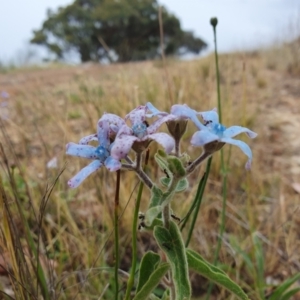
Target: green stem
(198,199)
(130,281)
(218,76)
(184,220)
(116,229)
(223,169)
(134,242)
(223,213)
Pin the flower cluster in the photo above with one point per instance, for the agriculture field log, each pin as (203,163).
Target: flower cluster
(116,137)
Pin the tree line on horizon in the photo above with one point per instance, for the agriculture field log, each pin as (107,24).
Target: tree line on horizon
(115,31)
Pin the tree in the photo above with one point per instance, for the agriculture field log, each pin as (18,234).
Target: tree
(118,30)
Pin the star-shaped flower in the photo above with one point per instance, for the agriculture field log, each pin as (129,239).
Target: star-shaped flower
(179,111)
(139,135)
(213,131)
(100,155)
(115,123)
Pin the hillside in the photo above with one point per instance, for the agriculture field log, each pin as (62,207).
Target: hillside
(48,107)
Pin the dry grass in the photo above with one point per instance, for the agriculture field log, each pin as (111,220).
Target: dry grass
(51,107)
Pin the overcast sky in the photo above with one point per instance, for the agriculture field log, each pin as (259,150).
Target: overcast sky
(242,23)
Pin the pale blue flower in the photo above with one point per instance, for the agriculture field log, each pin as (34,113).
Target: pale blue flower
(140,134)
(213,131)
(100,154)
(179,111)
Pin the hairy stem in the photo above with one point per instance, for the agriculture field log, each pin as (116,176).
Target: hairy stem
(197,162)
(145,179)
(177,147)
(142,175)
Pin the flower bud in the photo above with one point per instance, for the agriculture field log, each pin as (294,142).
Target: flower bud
(177,128)
(214,22)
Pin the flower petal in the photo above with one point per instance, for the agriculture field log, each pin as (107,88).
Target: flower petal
(182,111)
(155,125)
(103,133)
(203,137)
(85,140)
(235,130)
(85,151)
(210,116)
(115,122)
(164,139)
(155,111)
(112,164)
(243,146)
(84,173)
(122,146)
(138,115)
(124,130)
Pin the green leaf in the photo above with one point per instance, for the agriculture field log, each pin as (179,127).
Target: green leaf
(284,286)
(151,214)
(153,297)
(148,265)
(163,164)
(175,166)
(170,241)
(181,186)
(152,281)
(197,263)
(165,181)
(156,196)
(162,153)
(290,294)
(156,222)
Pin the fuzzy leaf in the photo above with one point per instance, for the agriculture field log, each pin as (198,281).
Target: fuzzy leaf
(152,281)
(153,297)
(165,181)
(148,265)
(163,164)
(207,270)
(162,153)
(170,241)
(156,196)
(175,166)
(151,214)
(156,222)
(181,186)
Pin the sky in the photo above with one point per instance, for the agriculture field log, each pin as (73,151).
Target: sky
(243,24)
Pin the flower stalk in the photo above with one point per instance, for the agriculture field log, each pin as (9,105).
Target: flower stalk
(116,229)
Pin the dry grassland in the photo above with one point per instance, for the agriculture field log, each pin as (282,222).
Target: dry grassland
(49,107)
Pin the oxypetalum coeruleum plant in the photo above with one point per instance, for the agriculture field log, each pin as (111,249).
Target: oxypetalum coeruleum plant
(116,138)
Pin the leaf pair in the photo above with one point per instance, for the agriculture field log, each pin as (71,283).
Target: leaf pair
(150,274)
(182,259)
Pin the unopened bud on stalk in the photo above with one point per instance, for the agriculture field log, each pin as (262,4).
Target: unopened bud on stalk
(177,128)
(214,22)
